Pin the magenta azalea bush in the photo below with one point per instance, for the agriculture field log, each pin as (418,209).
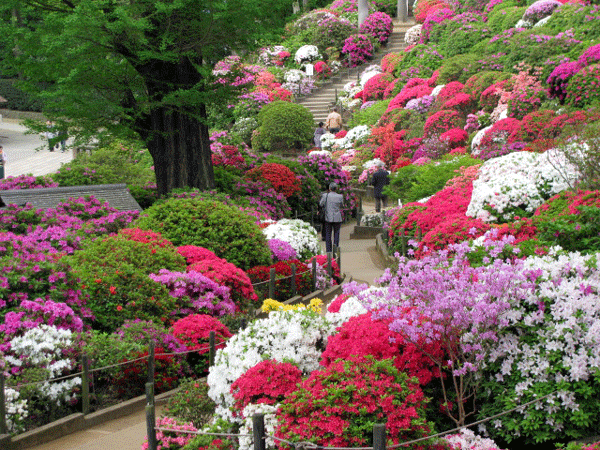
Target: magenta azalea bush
(358,48)
(379,26)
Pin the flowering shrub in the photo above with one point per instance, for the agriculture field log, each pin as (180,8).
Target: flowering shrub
(315,411)
(294,336)
(421,105)
(172,433)
(268,382)
(407,94)
(273,56)
(282,179)
(193,254)
(193,331)
(375,86)
(547,349)
(263,199)
(540,9)
(195,293)
(442,121)
(307,53)
(229,155)
(358,48)
(559,79)
(583,88)
(299,234)
(229,276)
(413,34)
(364,335)
(517,183)
(467,440)
(281,250)
(26,182)
(378,25)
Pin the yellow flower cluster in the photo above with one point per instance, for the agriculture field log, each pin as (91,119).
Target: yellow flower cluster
(269,305)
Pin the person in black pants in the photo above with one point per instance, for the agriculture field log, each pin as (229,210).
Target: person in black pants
(379,180)
(331,201)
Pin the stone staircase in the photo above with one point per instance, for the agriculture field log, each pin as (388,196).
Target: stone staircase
(320,100)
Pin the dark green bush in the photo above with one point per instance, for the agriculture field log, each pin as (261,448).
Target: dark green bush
(283,126)
(226,178)
(227,231)
(421,55)
(17,99)
(459,68)
(575,17)
(369,116)
(461,38)
(191,403)
(504,16)
(115,271)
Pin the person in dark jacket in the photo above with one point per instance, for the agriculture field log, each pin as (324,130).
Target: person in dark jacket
(331,201)
(379,180)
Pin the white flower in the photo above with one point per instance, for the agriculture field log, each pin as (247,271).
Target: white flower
(413,34)
(436,90)
(298,233)
(307,53)
(270,420)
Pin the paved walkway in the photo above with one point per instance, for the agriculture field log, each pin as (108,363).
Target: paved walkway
(359,260)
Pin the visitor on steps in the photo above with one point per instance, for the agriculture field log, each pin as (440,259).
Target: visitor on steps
(334,121)
(331,201)
(320,131)
(379,180)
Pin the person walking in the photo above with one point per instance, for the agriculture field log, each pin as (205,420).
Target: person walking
(379,180)
(334,121)
(331,202)
(320,131)
(2,162)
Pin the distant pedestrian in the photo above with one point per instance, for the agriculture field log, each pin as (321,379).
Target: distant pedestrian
(334,121)
(331,201)
(2,162)
(51,135)
(320,131)
(379,180)
(62,137)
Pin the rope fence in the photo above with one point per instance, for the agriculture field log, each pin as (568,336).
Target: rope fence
(379,433)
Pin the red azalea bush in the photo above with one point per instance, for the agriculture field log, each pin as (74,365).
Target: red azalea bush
(280,177)
(322,261)
(461,102)
(425,8)
(228,155)
(193,331)
(269,382)
(283,281)
(442,121)
(389,61)
(450,90)
(228,274)
(454,229)
(341,134)
(454,137)
(389,143)
(490,97)
(364,335)
(193,253)
(406,94)
(375,86)
(532,125)
(566,203)
(146,237)
(337,406)
(505,131)
(336,303)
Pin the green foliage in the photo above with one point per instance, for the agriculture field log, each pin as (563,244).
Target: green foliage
(112,164)
(581,19)
(227,231)
(479,82)
(421,55)
(459,68)
(412,183)
(504,17)
(369,116)
(114,273)
(226,178)
(283,126)
(191,403)
(460,38)
(573,232)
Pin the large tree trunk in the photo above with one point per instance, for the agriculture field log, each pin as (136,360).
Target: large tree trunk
(180,148)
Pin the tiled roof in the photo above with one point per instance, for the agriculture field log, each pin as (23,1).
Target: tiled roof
(117,196)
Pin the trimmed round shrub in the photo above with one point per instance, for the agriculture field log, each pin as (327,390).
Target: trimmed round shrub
(329,410)
(114,272)
(583,88)
(228,232)
(281,178)
(283,126)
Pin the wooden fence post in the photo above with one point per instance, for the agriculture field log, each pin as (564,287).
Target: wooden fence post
(379,436)
(150,417)
(314,274)
(293,281)
(272,283)
(151,362)
(329,268)
(339,258)
(403,239)
(3,427)
(211,350)
(85,385)
(258,431)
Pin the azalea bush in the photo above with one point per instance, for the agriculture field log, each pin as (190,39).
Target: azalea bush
(378,25)
(226,230)
(329,410)
(282,179)
(299,234)
(261,275)
(191,403)
(358,48)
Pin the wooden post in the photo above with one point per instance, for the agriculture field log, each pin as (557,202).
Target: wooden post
(419,235)
(85,385)
(329,268)
(258,431)
(293,281)
(379,436)
(339,258)
(211,350)
(403,240)
(314,274)
(3,427)
(272,283)
(151,362)
(150,417)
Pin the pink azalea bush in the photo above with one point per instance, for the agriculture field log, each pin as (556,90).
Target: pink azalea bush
(358,48)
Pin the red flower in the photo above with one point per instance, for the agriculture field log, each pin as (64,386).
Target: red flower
(112,290)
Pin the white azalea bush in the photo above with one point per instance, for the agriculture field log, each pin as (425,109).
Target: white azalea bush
(517,183)
(346,97)
(16,411)
(413,34)
(307,53)
(354,137)
(270,420)
(466,439)
(46,348)
(299,234)
(298,337)
(371,220)
(550,348)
